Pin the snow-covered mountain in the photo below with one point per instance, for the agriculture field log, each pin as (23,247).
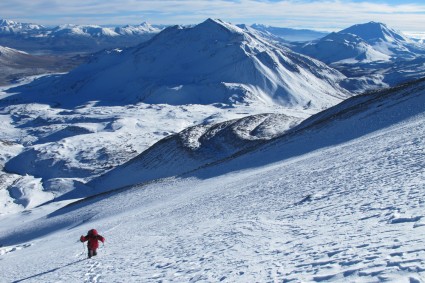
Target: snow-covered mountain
(343,48)
(386,40)
(213,62)
(371,55)
(375,32)
(338,199)
(370,42)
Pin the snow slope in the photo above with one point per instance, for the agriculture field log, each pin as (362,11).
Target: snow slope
(340,199)
(195,147)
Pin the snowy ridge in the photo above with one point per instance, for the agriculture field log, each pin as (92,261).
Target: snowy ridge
(143,28)
(98,31)
(195,147)
(12,27)
(340,200)
(82,30)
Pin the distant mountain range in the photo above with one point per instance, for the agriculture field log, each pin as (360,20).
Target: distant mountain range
(370,55)
(213,62)
(67,38)
(72,38)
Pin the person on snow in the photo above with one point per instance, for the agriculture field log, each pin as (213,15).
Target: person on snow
(93,239)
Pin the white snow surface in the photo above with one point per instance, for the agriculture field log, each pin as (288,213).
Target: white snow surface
(339,199)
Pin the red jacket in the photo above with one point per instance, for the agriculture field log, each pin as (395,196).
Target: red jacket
(93,240)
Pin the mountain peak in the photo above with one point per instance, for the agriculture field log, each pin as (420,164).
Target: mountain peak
(9,26)
(4,22)
(148,27)
(375,31)
(218,26)
(210,31)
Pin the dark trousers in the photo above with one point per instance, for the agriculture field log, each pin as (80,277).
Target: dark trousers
(92,253)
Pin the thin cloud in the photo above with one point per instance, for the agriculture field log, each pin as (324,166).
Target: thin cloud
(329,14)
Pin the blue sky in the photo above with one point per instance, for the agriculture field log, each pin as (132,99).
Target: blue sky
(315,14)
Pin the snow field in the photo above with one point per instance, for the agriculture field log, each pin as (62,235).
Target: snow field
(348,213)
